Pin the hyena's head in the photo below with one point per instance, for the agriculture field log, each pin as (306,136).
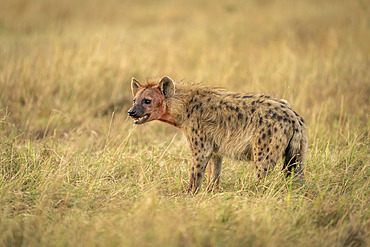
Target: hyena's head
(150,99)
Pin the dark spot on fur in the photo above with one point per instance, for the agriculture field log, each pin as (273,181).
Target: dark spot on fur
(240,116)
(215,147)
(247,96)
(277,147)
(201,139)
(202,145)
(198,166)
(261,121)
(259,141)
(209,99)
(265,169)
(269,132)
(260,159)
(237,109)
(267,157)
(253,110)
(263,136)
(268,104)
(260,153)
(192,168)
(253,102)
(275,129)
(199,175)
(268,149)
(196,143)
(229,118)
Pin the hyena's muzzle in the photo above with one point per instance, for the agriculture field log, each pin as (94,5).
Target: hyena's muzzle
(138,113)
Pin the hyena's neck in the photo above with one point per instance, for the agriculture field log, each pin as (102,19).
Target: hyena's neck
(176,105)
(168,118)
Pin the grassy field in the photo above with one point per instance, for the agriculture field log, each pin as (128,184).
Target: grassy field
(74,171)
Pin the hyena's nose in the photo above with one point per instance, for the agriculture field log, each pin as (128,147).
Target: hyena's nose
(131,112)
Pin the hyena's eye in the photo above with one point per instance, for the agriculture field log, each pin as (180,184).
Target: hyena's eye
(134,101)
(147,101)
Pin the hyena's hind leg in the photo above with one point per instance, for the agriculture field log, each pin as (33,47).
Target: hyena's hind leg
(214,172)
(267,150)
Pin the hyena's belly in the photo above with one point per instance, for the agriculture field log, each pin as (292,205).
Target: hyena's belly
(236,148)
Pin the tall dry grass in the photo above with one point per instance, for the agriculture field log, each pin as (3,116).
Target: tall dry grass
(75,171)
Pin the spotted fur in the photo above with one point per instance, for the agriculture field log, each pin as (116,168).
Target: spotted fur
(218,123)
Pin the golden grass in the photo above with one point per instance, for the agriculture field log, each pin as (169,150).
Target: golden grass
(72,172)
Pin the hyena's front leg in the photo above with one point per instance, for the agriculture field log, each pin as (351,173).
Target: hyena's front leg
(201,156)
(214,172)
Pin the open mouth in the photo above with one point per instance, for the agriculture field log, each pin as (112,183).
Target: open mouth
(141,120)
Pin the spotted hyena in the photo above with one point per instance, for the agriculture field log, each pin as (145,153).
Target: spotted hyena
(219,123)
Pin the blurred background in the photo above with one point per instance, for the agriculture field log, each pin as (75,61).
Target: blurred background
(65,62)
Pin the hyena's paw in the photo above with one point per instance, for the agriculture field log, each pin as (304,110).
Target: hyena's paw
(213,188)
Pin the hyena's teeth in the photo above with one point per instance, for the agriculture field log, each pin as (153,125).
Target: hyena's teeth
(140,118)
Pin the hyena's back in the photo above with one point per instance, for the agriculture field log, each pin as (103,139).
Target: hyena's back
(247,127)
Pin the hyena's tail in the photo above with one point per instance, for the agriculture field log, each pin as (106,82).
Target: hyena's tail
(295,154)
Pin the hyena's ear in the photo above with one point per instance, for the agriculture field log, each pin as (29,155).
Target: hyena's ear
(135,85)
(167,87)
